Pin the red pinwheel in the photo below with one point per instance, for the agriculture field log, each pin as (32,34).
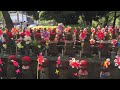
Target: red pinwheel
(110,30)
(114,42)
(98,28)
(75,74)
(27,32)
(82,36)
(40,59)
(75,31)
(17,71)
(92,41)
(100,35)
(117,61)
(85,31)
(74,63)
(15,63)
(93,30)
(1,32)
(1,62)
(103,30)
(58,61)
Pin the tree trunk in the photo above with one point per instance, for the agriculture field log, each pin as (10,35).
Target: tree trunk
(114,19)
(8,21)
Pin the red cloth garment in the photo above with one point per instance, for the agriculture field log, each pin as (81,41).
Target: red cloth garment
(83,72)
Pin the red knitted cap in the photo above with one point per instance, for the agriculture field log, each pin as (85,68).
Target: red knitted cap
(26,58)
(83,63)
(13,57)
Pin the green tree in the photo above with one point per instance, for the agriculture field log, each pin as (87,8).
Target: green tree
(35,14)
(8,21)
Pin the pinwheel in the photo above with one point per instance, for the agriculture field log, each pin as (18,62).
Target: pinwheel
(15,63)
(27,33)
(106,63)
(1,62)
(110,31)
(4,46)
(103,30)
(14,31)
(19,45)
(82,36)
(58,62)
(27,39)
(1,32)
(117,61)
(17,71)
(98,27)
(74,63)
(93,30)
(92,41)
(113,42)
(100,35)
(40,60)
(57,71)
(85,30)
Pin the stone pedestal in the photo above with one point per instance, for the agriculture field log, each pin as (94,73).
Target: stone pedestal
(52,50)
(44,73)
(69,48)
(113,54)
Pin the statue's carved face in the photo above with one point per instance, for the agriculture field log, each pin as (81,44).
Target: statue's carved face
(25,63)
(83,67)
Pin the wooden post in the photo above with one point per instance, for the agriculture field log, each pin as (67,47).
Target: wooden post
(30,52)
(46,52)
(16,50)
(113,54)
(37,70)
(80,54)
(99,53)
(16,46)
(62,52)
